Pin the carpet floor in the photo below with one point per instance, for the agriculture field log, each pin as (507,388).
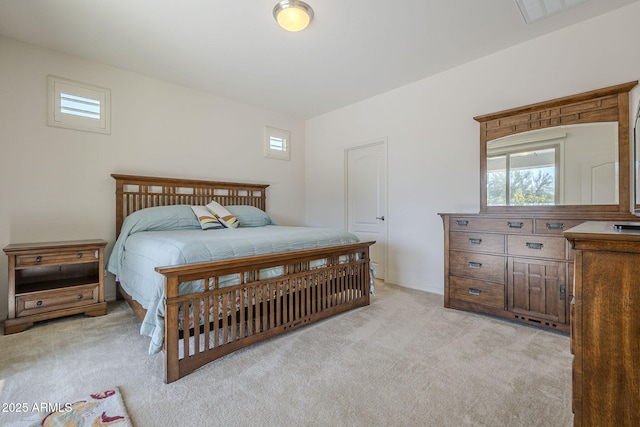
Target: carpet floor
(402,361)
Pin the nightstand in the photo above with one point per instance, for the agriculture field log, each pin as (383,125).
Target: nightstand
(55,279)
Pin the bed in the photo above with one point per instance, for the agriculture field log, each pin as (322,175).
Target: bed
(204,293)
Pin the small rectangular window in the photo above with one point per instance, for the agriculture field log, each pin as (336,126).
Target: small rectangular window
(277,143)
(78,106)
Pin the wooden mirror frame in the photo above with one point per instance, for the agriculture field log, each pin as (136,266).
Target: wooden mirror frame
(610,104)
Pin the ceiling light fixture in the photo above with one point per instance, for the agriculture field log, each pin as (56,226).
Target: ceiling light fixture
(293,15)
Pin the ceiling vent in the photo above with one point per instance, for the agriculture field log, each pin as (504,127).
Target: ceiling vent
(534,10)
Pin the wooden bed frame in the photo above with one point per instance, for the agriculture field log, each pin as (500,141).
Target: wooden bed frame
(268,307)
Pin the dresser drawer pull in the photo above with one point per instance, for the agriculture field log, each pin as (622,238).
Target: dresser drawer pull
(474,291)
(462,223)
(475,241)
(515,224)
(555,225)
(534,245)
(475,264)
(80,296)
(80,255)
(39,303)
(38,259)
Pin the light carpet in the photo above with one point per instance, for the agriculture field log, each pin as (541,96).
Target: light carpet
(402,361)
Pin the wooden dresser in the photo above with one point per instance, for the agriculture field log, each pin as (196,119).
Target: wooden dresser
(544,168)
(513,266)
(605,333)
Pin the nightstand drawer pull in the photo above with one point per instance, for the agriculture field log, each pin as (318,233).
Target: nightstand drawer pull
(38,259)
(555,225)
(515,224)
(475,264)
(475,241)
(531,245)
(474,291)
(462,222)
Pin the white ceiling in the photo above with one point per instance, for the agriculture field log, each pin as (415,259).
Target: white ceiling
(353,49)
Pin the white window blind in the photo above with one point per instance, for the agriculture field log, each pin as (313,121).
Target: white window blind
(80,106)
(277,143)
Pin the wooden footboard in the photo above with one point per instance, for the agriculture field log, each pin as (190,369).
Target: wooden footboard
(314,284)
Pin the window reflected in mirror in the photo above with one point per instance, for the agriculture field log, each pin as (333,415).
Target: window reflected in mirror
(523,176)
(564,165)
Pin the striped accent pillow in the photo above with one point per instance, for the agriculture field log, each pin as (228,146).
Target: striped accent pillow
(208,221)
(223,215)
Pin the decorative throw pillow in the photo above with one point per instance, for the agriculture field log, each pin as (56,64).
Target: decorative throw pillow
(208,221)
(223,215)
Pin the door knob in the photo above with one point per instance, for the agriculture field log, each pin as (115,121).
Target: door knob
(381,218)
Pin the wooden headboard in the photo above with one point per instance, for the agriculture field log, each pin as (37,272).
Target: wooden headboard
(138,192)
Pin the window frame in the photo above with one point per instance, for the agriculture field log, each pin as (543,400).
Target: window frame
(269,152)
(56,86)
(555,144)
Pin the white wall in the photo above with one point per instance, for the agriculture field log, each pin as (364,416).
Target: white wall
(55,183)
(433,141)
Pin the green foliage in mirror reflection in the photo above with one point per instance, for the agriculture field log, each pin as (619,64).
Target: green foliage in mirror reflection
(525,187)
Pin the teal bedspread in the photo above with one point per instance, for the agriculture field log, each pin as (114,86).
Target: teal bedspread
(145,244)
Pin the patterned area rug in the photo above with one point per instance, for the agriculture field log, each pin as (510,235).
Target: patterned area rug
(96,410)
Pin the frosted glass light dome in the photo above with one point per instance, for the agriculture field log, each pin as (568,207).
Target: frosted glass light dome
(293,15)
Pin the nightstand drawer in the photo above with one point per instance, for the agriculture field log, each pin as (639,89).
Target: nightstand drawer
(56,258)
(56,299)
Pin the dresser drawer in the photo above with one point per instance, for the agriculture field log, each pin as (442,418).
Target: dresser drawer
(537,246)
(56,258)
(56,299)
(477,242)
(477,266)
(555,226)
(477,292)
(499,225)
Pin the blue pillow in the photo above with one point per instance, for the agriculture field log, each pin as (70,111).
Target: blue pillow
(176,217)
(250,216)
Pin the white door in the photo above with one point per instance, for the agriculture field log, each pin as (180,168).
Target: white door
(367,198)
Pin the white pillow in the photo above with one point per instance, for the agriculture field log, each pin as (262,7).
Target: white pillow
(223,215)
(208,221)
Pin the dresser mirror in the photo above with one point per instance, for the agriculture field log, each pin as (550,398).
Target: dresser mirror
(562,165)
(562,155)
